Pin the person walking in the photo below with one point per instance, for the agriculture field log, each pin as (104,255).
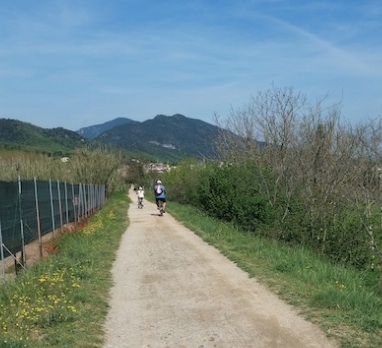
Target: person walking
(160,194)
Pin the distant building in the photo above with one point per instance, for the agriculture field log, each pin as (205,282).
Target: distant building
(157,167)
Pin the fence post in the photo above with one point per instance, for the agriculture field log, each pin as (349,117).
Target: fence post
(96,195)
(66,203)
(2,253)
(21,225)
(86,197)
(75,209)
(38,218)
(91,200)
(59,205)
(80,202)
(52,207)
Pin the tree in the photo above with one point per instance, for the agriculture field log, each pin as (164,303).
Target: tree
(313,170)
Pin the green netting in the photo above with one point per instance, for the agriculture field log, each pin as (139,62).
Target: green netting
(47,205)
(10,216)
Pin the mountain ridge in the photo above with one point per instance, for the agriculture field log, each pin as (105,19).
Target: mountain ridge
(92,132)
(175,136)
(163,137)
(15,134)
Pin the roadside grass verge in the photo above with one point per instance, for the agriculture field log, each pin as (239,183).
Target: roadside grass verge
(345,303)
(63,300)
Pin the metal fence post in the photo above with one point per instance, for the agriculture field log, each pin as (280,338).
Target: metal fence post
(80,202)
(38,217)
(66,203)
(86,197)
(2,253)
(75,207)
(52,207)
(60,205)
(23,259)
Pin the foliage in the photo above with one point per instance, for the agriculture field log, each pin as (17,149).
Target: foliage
(292,172)
(136,173)
(17,135)
(86,165)
(218,199)
(320,177)
(97,166)
(182,182)
(218,191)
(232,193)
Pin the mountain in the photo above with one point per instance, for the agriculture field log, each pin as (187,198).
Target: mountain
(93,132)
(19,135)
(164,138)
(170,137)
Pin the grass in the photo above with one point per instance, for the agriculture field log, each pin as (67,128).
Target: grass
(63,301)
(345,303)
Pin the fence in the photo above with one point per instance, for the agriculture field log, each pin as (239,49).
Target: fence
(31,209)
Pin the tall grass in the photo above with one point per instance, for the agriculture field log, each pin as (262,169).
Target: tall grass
(86,165)
(28,165)
(345,302)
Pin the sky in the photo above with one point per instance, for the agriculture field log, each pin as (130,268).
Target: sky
(77,63)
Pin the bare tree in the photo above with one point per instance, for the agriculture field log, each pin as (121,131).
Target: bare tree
(302,150)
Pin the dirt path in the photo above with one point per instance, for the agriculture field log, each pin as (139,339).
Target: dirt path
(173,290)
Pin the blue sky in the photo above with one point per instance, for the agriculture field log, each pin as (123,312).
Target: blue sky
(76,63)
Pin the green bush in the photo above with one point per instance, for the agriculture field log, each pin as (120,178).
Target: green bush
(236,193)
(182,183)
(218,201)
(251,212)
(218,191)
(348,241)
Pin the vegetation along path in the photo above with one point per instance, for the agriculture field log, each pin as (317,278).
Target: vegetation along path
(171,289)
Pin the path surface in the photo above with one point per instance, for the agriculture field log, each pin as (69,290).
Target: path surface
(172,290)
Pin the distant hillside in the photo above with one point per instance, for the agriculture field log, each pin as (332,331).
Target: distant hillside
(19,135)
(164,138)
(93,132)
(171,137)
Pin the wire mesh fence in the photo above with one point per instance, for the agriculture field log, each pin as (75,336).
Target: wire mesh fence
(31,209)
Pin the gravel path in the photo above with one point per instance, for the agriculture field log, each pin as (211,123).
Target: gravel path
(172,290)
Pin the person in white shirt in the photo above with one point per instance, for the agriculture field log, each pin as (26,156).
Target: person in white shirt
(141,195)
